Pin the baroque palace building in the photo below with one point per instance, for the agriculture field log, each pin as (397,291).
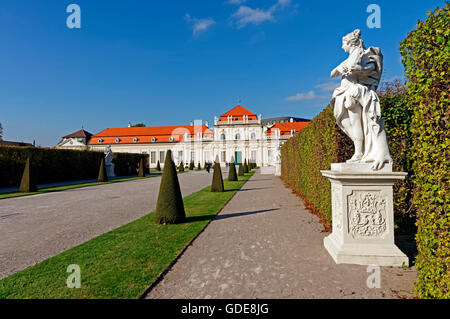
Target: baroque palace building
(237,135)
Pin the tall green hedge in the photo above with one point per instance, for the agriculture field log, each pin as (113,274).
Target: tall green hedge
(52,165)
(320,143)
(426,57)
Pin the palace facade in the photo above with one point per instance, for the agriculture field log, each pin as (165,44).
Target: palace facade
(237,135)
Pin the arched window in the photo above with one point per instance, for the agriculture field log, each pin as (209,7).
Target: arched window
(253,136)
(237,136)
(222,137)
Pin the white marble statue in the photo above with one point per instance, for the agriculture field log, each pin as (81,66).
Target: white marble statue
(108,155)
(356,105)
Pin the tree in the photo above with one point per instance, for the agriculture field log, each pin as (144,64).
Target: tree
(245,167)
(181,167)
(169,207)
(198,166)
(158,166)
(102,175)
(232,176)
(217,182)
(241,170)
(1,132)
(138,125)
(141,168)
(28,182)
(191,165)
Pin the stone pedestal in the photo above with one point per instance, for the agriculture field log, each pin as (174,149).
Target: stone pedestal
(363,215)
(110,170)
(278,169)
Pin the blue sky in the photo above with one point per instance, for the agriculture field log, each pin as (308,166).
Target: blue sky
(171,62)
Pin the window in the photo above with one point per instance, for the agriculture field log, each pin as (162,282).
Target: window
(207,157)
(153,157)
(153,139)
(135,140)
(171,139)
(253,136)
(238,136)
(223,155)
(161,156)
(117,140)
(180,156)
(253,156)
(100,141)
(270,155)
(192,156)
(222,137)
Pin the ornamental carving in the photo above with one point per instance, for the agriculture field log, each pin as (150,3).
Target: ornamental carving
(367,214)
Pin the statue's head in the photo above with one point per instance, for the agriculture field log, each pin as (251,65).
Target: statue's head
(353,39)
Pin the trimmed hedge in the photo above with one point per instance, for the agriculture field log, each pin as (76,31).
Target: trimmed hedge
(53,165)
(312,149)
(426,57)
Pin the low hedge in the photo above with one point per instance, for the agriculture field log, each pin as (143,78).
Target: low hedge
(54,165)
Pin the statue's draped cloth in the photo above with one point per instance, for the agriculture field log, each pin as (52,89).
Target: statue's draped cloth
(358,87)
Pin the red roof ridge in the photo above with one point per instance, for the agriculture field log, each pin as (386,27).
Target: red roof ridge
(237,111)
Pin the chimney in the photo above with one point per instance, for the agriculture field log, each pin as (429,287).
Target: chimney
(206,124)
(129,124)
(192,123)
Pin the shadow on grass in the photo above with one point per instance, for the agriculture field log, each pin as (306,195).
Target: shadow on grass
(225,216)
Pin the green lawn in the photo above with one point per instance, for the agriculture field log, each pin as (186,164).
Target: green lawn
(65,187)
(124,262)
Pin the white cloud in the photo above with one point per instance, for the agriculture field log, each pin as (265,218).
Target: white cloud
(328,86)
(235,2)
(246,15)
(199,25)
(311,95)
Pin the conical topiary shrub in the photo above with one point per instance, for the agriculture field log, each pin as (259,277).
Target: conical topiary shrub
(217,182)
(169,207)
(102,175)
(28,182)
(245,167)
(158,166)
(232,176)
(181,167)
(141,168)
(198,166)
(191,166)
(241,170)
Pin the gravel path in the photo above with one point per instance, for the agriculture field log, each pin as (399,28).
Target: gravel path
(36,227)
(264,244)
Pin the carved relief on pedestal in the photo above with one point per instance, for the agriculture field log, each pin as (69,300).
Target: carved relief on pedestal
(336,207)
(367,214)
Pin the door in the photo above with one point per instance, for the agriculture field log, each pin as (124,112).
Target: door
(237,158)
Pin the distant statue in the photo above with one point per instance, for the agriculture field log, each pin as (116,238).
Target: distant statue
(356,106)
(108,155)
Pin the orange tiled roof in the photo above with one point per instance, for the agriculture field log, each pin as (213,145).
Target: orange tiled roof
(237,113)
(126,135)
(286,127)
